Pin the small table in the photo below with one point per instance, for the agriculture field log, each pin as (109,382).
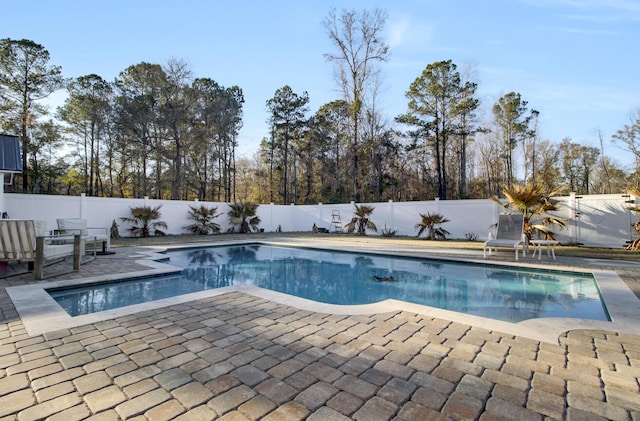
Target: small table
(537,247)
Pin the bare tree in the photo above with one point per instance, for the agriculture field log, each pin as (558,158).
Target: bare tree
(629,137)
(358,38)
(604,163)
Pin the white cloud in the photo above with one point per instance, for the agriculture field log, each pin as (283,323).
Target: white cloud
(403,32)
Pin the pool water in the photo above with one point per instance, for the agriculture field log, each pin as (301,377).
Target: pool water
(497,292)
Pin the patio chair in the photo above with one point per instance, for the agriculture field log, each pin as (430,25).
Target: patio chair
(509,234)
(28,241)
(68,226)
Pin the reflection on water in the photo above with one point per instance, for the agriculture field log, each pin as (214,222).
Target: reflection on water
(350,278)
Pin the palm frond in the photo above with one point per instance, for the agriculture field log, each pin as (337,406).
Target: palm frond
(534,204)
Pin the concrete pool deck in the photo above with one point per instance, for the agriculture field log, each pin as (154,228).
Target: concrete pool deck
(248,354)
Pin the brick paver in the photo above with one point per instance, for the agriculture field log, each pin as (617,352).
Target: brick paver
(236,356)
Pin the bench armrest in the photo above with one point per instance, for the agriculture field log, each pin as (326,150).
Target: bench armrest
(97,231)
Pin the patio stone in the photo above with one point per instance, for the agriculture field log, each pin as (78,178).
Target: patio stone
(201,413)
(192,395)
(106,398)
(356,386)
(499,409)
(75,413)
(508,394)
(461,406)
(165,411)
(276,390)
(300,380)
(429,398)
(172,379)
(397,391)
(475,387)
(231,399)
(546,403)
(12,403)
(141,404)
(375,409)
(140,388)
(316,395)
(290,411)
(31,365)
(549,383)
(48,408)
(55,391)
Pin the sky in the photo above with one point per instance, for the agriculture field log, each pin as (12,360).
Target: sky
(575,61)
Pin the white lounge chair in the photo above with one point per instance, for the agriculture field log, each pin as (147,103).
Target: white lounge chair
(509,234)
(26,240)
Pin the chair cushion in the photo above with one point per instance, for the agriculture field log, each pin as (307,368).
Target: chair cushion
(72,225)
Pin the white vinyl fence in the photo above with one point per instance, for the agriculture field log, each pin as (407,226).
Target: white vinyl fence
(595,220)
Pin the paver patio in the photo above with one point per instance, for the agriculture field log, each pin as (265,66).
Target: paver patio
(237,356)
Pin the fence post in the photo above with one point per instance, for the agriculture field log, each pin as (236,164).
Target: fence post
(83,205)
(271,216)
(576,216)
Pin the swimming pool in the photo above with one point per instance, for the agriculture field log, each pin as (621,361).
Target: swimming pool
(339,277)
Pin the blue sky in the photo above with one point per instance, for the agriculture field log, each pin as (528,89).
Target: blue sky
(575,61)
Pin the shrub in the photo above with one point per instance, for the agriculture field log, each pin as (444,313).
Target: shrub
(387,232)
(471,236)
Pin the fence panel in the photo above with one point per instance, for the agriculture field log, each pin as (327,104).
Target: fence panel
(595,220)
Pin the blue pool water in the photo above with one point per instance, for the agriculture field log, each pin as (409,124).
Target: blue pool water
(498,292)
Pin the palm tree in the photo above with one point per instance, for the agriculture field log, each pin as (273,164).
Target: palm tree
(361,222)
(429,223)
(144,221)
(243,214)
(202,220)
(531,201)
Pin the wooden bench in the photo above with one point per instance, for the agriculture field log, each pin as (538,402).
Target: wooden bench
(25,240)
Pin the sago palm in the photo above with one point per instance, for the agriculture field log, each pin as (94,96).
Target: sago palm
(429,223)
(243,215)
(202,218)
(533,203)
(361,222)
(144,221)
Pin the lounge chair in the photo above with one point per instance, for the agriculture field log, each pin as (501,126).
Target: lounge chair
(509,234)
(70,226)
(25,240)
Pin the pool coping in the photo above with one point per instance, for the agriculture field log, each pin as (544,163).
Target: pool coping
(40,313)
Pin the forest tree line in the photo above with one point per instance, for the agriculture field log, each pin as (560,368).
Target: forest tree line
(158,131)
